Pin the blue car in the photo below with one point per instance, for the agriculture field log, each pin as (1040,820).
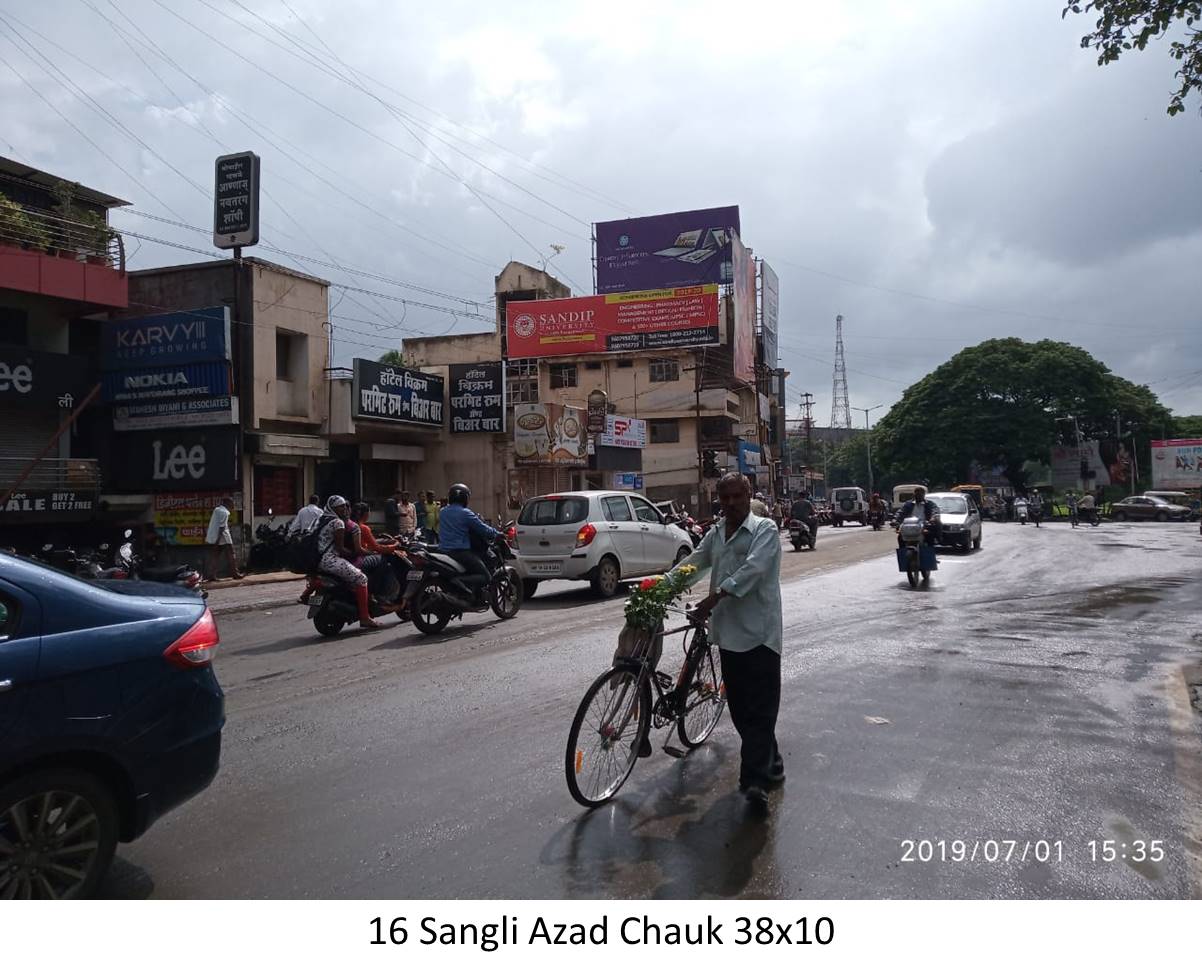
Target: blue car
(110,715)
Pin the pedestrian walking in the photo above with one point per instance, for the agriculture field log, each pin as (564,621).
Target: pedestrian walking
(743,554)
(220,541)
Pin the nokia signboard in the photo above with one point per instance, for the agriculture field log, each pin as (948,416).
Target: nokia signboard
(236,200)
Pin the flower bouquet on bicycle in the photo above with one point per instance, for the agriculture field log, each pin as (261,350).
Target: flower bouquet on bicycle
(611,727)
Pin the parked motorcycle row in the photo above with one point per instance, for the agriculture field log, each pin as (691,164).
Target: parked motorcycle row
(126,563)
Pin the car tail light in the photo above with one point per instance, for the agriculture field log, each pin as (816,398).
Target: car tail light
(584,537)
(511,536)
(192,580)
(197,646)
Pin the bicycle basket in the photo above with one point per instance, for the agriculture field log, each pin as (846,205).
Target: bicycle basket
(639,645)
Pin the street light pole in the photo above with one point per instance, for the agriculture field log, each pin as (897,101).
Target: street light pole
(868,441)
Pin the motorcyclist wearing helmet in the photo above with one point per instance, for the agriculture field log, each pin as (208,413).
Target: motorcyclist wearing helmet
(456,527)
(803,510)
(925,510)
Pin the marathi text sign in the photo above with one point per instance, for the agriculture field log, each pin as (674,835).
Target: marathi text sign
(477,397)
(185,337)
(387,394)
(1176,464)
(620,322)
(549,435)
(769,313)
(664,251)
(34,378)
(236,200)
(183,518)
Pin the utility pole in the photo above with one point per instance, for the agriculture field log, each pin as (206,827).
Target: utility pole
(868,441)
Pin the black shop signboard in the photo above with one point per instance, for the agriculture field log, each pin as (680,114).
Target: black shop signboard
(477,397)
(182,459)
(390,394)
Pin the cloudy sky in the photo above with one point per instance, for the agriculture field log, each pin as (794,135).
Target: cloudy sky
(938,172)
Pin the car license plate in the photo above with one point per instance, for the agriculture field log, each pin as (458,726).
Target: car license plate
(544,567)
(414,575)
(316,600)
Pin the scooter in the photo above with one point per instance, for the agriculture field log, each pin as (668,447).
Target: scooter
(267,553)
(801,535)
(1020,511)
(435,593)
(332,602)
(129,561)
(914,556)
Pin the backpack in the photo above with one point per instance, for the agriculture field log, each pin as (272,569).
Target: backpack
(302,554)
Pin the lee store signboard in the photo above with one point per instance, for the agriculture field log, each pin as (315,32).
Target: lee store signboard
(618,322)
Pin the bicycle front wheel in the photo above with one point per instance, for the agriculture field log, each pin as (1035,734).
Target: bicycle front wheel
(609,727)
(704,699)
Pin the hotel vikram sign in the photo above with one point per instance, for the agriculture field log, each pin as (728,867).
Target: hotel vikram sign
(387,394)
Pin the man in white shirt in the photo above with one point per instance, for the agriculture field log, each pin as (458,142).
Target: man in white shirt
(743,553)
(220,541)
(306,517)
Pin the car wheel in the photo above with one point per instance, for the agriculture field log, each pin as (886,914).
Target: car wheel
(1119,515)
(1161,516)
(976,545)
(529,587)
(681,555)
(58,831)
(605,578)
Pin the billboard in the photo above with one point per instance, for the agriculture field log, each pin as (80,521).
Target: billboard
(744,311)
(769,313)
(183,518)
(1176,464)
(549,435)
(663,251)
(622,432)
(620,322)
(383,393)
(155,384)
(236,200)
(477,397)
(166,339)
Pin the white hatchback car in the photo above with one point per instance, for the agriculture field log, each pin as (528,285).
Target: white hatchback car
(603,536)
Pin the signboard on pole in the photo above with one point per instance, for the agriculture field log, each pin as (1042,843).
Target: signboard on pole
(383,393)
(236,200)
(744,311)
(1176,464)
(165,339)
(477,397)
(620,322)
(664,251)
(549,435)
(769,313)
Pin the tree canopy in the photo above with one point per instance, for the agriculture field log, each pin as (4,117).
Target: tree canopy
(394,358)
(997,404)
(1126,24)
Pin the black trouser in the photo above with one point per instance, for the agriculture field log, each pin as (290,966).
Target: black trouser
(381,581)
(477,572)
(753,693)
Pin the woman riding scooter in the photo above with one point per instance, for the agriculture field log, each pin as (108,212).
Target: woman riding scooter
(337,551)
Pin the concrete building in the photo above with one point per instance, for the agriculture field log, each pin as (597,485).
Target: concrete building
(62,268)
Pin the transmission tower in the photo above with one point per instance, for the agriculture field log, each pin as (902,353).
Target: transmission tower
(840,400)
(807,424)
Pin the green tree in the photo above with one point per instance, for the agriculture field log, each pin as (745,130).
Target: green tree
(1126,24)
(997,404)
(394,358)
(1185,427)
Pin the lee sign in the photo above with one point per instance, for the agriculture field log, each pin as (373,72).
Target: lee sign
(655,319)
(190,459)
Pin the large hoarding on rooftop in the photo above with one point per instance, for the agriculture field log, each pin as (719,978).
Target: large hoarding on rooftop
(664,251)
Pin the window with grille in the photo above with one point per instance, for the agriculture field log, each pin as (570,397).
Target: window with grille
(664,369)
(521,380)
(563,376)
(665,430)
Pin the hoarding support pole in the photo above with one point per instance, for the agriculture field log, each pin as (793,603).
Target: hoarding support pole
(697,369)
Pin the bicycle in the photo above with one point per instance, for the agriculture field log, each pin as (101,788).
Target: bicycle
(619,710)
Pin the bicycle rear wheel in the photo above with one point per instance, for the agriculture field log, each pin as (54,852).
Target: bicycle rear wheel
(610,725)
(704,699)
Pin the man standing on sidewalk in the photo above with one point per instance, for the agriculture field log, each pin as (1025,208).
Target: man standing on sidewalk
(220,541)
(743,553)
(407,515)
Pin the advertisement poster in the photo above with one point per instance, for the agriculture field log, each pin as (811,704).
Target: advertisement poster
(1107,463)
(549,435)
(769,313)
(477,397)
(744,310)
(183,518)
(662,318)
(628,481)
(663,251)
(383,393)
(63,504)
(624,433)
(188,337)
(1176,464)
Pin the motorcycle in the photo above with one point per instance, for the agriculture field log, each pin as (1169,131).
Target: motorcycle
(876,518)
(267,553)
(801,535)
(332,601)
(134,566)
(1035,512)
(435,593)
(1020,511)
(914,556)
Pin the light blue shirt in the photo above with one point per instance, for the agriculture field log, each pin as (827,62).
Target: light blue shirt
(747,569)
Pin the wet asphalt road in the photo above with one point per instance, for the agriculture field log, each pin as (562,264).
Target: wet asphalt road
(1036,692)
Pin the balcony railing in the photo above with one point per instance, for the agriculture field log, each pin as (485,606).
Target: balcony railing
(80,475)
(89,240)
